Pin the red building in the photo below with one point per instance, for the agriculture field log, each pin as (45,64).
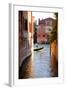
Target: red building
(25,35)
(44,29)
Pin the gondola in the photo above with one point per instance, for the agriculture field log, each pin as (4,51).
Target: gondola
(37,49)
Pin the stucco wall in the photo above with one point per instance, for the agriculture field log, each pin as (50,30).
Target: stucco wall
(54,58)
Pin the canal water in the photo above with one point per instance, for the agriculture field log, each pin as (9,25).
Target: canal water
(37,66)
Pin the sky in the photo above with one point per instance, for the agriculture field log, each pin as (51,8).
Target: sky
(42,15)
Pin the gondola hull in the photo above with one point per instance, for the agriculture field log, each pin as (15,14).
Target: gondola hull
(37,49)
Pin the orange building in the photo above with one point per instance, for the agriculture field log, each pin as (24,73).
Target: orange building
(25,35)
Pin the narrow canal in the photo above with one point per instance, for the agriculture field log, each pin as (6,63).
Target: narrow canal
(39,66)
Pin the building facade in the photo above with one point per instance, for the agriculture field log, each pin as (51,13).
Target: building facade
(45,27)
(25,35)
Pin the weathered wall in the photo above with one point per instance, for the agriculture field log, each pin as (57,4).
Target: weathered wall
(54,58)
(25,41)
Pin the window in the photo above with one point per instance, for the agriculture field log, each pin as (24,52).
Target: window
(38,35)
(43,35)
(49,30)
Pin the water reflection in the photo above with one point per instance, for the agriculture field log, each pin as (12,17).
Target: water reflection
(39,67)
(42,62)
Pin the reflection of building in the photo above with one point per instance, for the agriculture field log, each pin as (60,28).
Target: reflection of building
(25,35)
(45,27)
